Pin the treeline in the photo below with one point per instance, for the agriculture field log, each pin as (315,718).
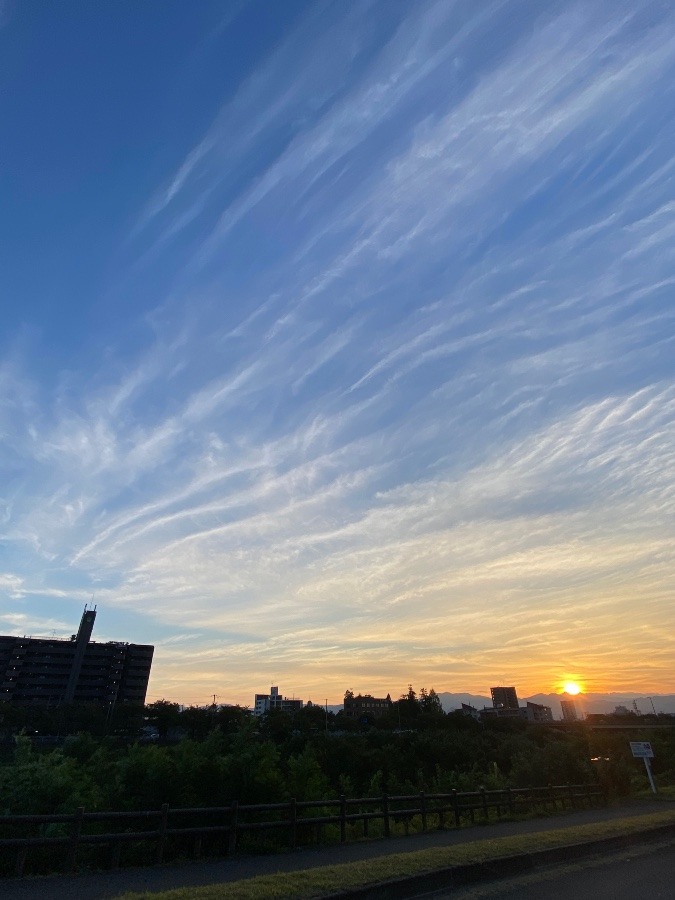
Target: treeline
(224,754)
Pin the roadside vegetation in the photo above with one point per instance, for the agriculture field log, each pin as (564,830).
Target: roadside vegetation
(209,756)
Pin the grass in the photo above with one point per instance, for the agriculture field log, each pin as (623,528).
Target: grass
(323,881)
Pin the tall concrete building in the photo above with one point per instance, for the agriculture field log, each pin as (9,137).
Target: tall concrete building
(56,672)
(504,697)
(569,711)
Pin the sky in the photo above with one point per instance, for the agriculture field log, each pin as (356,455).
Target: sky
(337,340)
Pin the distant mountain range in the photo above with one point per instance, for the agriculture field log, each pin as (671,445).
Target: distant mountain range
(586,703)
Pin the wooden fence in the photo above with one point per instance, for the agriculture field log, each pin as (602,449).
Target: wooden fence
(167,833)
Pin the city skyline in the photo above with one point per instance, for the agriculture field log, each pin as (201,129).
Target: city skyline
(337,341)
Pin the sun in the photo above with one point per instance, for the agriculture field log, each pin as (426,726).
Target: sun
(571,687)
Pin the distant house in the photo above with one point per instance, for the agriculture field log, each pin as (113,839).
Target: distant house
(265,703)
(468,710)
(365,705)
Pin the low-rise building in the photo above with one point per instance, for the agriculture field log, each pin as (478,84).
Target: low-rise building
(467,710)
(265,703)
(537,712)
(365,705)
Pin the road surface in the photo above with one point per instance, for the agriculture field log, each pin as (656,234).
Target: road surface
(641,873)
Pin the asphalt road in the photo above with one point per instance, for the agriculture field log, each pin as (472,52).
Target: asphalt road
(103,885)
(642,873)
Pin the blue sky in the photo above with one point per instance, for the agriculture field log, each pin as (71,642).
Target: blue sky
(337,341)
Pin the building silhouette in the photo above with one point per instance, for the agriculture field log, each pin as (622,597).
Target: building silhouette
(504,698)
(569,711)
(537,713)
(366,706)
(58,672)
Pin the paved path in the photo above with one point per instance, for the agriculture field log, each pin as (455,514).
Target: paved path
(108,884)
(634,874)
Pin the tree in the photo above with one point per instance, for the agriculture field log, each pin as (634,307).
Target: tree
(430,703)
(163,715)
(408,707)
(231,718)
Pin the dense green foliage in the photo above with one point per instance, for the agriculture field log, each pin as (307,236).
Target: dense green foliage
(208,757)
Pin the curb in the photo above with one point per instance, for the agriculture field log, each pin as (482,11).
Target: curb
(500,867)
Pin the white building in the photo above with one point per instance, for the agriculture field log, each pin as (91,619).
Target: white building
(264,703)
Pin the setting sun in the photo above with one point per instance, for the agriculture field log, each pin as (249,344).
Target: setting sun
(571,687)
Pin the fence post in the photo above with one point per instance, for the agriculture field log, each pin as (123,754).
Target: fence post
(161,831)
(423,810)
(75,837)
(455,807)
(21,861)
(509,798)
(570,794)
(232,834)
(385,815)
(483,797)
(294,823)
(551,794)
(343,818)
(197,847)
(115,854)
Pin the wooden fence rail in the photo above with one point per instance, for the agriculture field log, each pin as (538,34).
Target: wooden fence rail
(351,818)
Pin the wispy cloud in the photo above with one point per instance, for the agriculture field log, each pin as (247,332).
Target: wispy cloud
(412,377)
